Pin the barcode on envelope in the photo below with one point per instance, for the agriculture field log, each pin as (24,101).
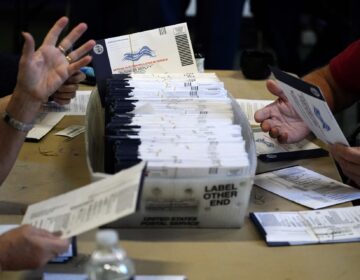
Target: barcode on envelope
(162,31)
(183,46)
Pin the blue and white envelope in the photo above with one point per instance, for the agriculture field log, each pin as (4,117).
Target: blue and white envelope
(309,102)
(161,50)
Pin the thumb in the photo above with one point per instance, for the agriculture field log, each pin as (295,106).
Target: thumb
(29,46)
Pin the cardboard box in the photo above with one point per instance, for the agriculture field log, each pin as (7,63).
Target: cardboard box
(199,202)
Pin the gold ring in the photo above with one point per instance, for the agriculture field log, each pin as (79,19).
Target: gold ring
(62,49)
(68,58)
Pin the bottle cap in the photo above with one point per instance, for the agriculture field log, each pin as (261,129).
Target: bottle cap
(107,237)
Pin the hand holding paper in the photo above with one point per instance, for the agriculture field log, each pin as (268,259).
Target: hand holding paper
(301,107)
(89,207)
(280,119)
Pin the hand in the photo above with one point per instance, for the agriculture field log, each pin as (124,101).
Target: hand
(27,247)
(43,71)
(349,161)
(280,119)
(67,91)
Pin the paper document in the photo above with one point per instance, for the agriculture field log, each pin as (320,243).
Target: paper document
(71,131)
(43,124)
(250,106)
(309,227)
(162,50)
(5,228)
(77,106)
(89,207)
(306,187)
(269,149)
(52,113)
(310,104)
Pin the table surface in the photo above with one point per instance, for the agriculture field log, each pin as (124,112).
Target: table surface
(56,165)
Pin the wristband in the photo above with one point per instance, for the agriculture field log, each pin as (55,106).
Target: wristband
(16,124)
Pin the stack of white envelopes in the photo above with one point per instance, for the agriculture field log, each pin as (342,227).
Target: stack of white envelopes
(197,143)
(181,124)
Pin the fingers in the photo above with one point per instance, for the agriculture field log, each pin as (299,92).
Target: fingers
(63,98)
(76,78)
(274,88)
(67,88)
(57,246)
(54,33)
(263,114)
(350,154)
(67,43)
(348,159)
(75,66)
(81,51)
(29,46)
(49,240)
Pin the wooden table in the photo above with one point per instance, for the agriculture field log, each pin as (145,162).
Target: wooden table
(56,165)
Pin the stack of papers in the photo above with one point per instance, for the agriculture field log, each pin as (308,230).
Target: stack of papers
(181,124)
(309,227)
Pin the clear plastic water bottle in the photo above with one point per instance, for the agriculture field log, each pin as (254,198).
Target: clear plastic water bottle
(109,261)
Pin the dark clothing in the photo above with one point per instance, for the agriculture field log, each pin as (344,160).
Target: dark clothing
(8,72)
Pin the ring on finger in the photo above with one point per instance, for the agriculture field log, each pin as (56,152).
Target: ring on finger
(62,49)
(69,59)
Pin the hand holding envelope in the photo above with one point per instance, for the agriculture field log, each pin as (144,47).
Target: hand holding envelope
(280,119)
(300,108)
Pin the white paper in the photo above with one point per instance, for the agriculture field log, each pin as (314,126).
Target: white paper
(52,113)
(71,131)
(43,124)
(5,228)
(267,145)
(77,105)
(310,227)
(306,187)
(250,106)
(88,207)
(179,137)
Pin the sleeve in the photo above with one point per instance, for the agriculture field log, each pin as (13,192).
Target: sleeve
(345,68)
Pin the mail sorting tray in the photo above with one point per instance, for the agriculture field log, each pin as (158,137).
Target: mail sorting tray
(209,201)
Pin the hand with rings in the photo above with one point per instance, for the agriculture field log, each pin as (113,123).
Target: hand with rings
(44,71)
